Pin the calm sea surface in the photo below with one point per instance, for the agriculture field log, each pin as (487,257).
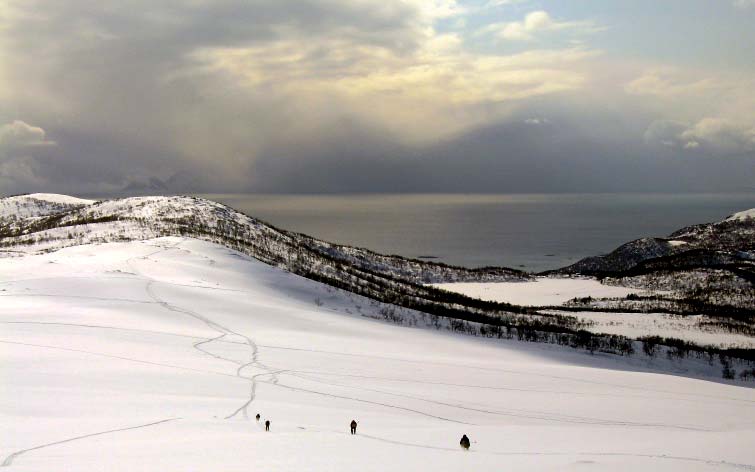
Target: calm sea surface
(533,232)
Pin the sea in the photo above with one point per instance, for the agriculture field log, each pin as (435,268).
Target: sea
(533,232)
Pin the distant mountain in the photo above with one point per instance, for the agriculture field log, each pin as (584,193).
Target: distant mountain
(152,185)
(177,183)
(730,242)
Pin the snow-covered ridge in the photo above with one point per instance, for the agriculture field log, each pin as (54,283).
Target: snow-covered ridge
(717,243)
(138,218)
(59,198)
(38,204)
(742,215)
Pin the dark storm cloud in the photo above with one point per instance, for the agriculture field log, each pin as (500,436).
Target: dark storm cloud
(342,96)
(512,156)
(115,82)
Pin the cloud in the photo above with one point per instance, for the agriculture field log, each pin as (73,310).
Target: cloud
(209,86)
(537,22)
(691,145)
(576,152)
(18,134)
(18,173)
(18,164)
(500,3)
(413,95)
(713,114)
(232,95)
(134,83)
(725,135)
(666,133)
(536,121)
(668,82)
(717,136)
(744,3)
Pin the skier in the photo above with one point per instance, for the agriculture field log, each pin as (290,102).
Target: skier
(464,443)
(353,427)
(257,417)
(267,426)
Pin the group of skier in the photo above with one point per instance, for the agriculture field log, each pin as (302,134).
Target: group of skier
(267,422)
(464,443)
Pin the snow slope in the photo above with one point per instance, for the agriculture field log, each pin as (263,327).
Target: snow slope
(742,215)
(39,204)
(155,356)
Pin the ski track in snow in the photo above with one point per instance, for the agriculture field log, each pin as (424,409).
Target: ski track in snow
(122,358)
(255,346)
(510,371)
(271,376)
(10,458)
(222,330)
(696,398)
(491,387)
(115,328)
(722,463)
(360,400)
(530,414)
(82,297)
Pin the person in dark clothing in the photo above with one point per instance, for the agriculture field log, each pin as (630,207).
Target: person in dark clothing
(257,417)
(353,427)
(267,425)
(464,442)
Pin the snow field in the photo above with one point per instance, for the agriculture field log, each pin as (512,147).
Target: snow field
(555,291)
(156,355)
(635,325)
(543,291)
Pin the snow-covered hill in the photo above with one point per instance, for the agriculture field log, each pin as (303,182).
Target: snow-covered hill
(729,241)
(155,355)
(697,286)
(742,215)
(38,204)
(392,280)
(145,217)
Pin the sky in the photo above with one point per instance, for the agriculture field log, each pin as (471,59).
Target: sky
(333,96)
